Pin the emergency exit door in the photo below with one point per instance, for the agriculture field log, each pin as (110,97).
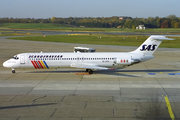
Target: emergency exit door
(22,59)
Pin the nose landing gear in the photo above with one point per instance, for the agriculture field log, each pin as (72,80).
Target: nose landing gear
(89,71)
(13,70)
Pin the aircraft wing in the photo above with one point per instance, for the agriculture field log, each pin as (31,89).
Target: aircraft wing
(87,66)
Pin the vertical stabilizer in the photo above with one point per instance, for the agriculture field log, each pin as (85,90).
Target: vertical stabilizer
(151,44)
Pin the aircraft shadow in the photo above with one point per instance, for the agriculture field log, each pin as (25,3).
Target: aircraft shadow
(106,72)
(152,70)
(118,72)
(22,106)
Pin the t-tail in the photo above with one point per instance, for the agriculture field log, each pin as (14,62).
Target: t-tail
(150,45)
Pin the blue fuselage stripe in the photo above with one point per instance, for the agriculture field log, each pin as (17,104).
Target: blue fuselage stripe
(46,64)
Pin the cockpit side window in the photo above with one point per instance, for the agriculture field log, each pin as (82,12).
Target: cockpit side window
(15,57)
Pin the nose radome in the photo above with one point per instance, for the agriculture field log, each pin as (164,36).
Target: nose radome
(5,64)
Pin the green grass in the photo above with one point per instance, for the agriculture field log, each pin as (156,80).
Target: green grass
(33,26)
(60,27)
(51,26)
(120,40)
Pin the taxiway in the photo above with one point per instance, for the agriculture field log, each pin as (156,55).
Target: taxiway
(136,92)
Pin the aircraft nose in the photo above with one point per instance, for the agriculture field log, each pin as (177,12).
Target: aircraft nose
(5,64)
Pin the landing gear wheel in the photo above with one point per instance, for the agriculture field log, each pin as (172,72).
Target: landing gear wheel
(13,71)
(90,72)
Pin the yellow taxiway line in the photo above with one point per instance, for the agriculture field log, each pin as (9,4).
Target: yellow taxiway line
(169,108)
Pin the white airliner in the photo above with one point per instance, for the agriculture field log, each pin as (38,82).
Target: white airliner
(88,61)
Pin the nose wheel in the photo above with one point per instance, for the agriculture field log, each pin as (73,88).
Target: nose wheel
(13,70)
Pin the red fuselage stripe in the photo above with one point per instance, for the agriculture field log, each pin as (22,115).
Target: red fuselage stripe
(36,65)
(40,64)
(33,64)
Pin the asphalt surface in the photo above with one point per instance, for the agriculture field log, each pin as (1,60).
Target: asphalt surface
(133,93)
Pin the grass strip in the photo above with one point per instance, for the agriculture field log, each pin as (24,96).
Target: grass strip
(101,39)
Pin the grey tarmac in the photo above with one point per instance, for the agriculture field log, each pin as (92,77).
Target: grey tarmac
(134,93)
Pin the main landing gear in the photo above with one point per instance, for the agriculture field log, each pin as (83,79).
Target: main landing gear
(89,71)
(13,70)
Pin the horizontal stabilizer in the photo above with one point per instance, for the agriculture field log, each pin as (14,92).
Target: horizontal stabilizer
(161,38)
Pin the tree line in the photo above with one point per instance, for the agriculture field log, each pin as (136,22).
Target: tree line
(170,21)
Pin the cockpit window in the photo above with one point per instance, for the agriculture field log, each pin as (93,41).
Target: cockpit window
(15,57)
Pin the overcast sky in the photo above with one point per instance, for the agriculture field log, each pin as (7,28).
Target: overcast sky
(88,8)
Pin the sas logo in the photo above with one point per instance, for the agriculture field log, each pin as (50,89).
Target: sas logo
(148,47)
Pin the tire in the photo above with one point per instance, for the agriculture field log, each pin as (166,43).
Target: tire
(90,72)
(13,71)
